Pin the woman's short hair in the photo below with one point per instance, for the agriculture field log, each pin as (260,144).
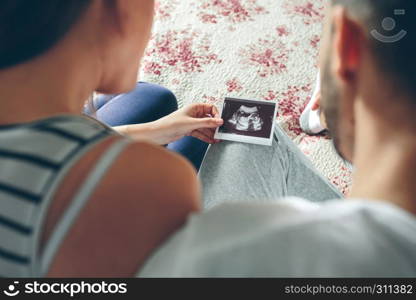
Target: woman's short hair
(28,28)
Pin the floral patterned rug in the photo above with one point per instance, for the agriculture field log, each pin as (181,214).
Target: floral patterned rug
(205,50)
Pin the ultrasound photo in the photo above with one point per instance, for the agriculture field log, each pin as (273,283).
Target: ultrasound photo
(247,121)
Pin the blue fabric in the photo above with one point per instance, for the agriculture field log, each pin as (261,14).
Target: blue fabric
(147,103)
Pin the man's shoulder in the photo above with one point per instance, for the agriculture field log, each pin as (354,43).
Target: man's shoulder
(295,214)
(344,223)
(296,238)
(339,238)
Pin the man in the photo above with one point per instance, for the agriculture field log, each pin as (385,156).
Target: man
(369,101)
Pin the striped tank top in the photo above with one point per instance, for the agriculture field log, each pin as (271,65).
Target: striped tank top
(34,159)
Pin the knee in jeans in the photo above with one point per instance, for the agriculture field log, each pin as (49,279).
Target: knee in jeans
(163,96)
(169,99)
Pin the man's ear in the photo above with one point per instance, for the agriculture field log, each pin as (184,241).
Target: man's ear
(347,44)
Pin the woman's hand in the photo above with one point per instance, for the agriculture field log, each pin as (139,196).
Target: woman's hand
(197,120)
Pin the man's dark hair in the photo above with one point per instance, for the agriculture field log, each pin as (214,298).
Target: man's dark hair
(396,59)
(29,28)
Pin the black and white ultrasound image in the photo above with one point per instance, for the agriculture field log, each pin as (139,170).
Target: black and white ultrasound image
(248,118)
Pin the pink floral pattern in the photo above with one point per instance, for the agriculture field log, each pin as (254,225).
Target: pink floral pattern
(206,50)
(164,9)
(184,51)
(315,39)
(233,11)
(311,11)
(234,85)
(282,30)
(268,56)
(343,180)
(291,105)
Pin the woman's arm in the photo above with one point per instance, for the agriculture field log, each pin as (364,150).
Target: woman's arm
(197,120)
(151,132)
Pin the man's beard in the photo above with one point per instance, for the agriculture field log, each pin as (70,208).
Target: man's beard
(330,100)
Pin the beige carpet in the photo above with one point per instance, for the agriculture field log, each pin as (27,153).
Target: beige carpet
(205,50)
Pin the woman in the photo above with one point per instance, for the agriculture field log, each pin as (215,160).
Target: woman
(76,198)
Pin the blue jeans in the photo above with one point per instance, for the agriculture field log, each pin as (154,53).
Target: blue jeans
(147,103)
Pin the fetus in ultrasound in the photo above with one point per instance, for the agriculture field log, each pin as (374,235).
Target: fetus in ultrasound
(247,119)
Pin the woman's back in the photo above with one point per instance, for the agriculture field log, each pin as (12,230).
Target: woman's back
(37,221)
(77,199)
(34,158)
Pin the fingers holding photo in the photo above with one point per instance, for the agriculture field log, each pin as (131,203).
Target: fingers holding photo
(205,135)
(201,110)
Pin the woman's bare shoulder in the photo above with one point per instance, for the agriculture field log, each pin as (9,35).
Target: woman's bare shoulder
(145,196)
(153,168)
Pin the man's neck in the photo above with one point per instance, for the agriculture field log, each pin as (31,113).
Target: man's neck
(385,164)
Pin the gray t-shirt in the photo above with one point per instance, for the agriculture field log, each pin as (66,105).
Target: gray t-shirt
(292,238)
